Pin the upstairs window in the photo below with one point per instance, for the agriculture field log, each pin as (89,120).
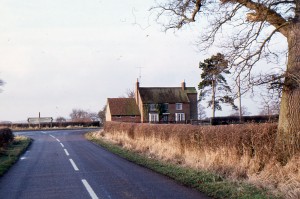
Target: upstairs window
(178,106)
(165,107)
(152,107)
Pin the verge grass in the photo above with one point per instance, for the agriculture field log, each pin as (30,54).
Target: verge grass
(212,184)
(243,153)
(11,153)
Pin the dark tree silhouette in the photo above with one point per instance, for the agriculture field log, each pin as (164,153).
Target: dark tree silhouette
(214,83)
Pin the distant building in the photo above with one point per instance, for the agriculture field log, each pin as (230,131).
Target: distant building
(155,104)
(122,110)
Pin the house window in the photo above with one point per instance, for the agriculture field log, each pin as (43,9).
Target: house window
(153,117)
(152,107)
(165,107)
(179,117)
(178,106)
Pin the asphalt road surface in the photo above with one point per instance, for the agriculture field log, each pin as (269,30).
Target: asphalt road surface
(62,164)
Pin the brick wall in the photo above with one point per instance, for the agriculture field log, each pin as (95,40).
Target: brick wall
(126,119)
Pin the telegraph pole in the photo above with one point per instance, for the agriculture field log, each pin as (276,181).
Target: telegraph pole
(39,120)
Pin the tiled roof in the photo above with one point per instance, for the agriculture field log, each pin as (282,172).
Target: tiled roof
(123,106)
(165,94)
(190,90)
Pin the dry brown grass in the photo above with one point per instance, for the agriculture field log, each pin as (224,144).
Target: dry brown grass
(239,152)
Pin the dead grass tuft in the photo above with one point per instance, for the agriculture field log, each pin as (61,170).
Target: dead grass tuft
(238,152)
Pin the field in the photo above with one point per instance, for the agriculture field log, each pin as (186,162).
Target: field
(241,153)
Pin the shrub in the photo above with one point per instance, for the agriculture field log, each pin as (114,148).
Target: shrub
(6,136)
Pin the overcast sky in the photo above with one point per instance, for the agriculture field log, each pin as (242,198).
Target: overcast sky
(56,55)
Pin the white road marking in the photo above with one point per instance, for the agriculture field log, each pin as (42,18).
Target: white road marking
(67,153)
(52,136)
(25,155)
(62,145)
(74,165)
(57,140)
(89,189)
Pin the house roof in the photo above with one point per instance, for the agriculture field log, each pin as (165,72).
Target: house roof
(191,90)
(165,94)
(123,106)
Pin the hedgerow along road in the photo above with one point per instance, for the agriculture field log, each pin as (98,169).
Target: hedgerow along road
(62,164)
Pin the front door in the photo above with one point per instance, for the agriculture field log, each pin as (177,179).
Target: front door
(165,118)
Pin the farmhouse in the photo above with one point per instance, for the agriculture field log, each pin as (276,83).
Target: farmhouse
(155,104)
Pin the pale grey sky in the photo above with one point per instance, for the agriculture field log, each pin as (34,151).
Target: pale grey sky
(56,55)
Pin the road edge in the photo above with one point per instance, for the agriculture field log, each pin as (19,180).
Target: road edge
(208,183)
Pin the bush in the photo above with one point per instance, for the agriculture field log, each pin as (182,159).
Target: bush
(6,136)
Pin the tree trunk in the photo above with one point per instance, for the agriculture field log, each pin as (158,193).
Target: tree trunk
(213,98)
(288,137)
(240,98)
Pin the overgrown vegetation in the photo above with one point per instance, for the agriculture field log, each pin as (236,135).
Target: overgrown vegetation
(207,182)
(243,153)
(10,153)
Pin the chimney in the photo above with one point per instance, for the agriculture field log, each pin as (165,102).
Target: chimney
(183,85)
(137,86)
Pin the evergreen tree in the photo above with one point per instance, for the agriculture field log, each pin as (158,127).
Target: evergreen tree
(214,83)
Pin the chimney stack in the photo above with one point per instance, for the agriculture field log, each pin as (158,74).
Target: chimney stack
(183,85)
(137,86)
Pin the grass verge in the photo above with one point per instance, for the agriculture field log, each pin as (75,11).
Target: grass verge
(211,184)
(11,153)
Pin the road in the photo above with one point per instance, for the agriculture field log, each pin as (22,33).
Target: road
(62,164)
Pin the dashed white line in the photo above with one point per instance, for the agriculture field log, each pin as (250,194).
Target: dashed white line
(62,145)
(67,153)
(89,189)
(57,140)
(74,165)
(52,136)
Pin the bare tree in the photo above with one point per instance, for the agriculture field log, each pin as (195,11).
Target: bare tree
(129,94)
(1,84)
(269,108)
(102,115)
(201,112)
(270,104)
(243,111)
(94,116)
(252,26)
(79,115)
(60,119)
